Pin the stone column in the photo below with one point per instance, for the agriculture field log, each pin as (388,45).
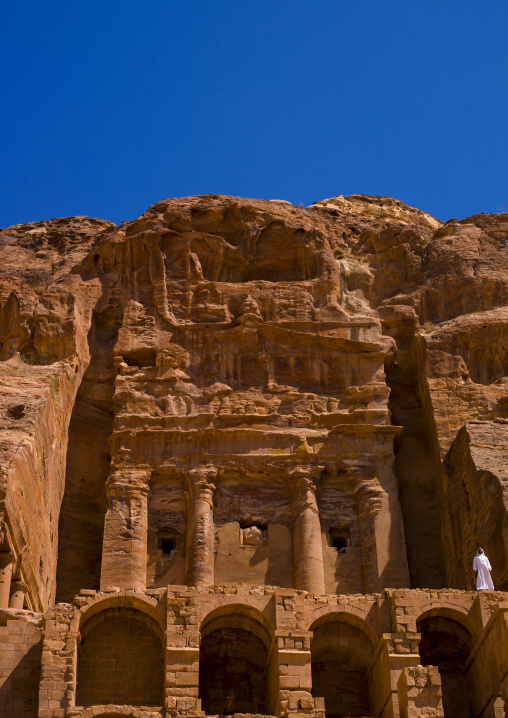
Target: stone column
(200,538)
(369,497)
(18,591)
(382,539)
(124,550)
(307,541)
(6,561)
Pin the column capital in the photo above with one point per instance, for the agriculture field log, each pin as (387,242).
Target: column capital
(369,494)
(303,484)
(305,472)
(200,483)
(128,482)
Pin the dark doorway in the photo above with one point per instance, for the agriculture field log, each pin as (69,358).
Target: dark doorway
(233,667)
(341,654)
(445,643)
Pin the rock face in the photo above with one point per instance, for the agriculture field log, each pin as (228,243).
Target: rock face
(310,402)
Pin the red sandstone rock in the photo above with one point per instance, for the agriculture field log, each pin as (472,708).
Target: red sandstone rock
(223,317)
(229,390)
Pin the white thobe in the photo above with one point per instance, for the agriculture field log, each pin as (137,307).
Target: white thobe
(483,580)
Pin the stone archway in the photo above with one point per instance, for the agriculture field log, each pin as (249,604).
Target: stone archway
(341,654)
(120,660)
(446,643)
(233,664)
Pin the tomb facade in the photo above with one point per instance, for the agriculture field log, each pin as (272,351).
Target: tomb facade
(248,450)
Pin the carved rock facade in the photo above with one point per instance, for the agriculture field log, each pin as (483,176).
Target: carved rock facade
(247,452)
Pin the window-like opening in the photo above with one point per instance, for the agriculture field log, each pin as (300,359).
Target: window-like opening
(166,545)
(95,258)
(341,654)
(340,538)
(339,542)
(140,357)
(445,643)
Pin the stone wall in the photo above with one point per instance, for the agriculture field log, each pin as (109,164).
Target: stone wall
(420,692)
(279,652)
(20,668)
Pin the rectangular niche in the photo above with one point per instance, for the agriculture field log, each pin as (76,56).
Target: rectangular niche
(339,537)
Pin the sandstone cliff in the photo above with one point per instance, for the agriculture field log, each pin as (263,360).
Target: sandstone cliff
(256,336)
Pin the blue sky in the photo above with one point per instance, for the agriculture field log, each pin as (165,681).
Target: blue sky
(110,105)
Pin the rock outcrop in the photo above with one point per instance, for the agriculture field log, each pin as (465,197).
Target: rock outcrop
(230,391)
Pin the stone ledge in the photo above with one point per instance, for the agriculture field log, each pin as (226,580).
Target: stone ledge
(114,710)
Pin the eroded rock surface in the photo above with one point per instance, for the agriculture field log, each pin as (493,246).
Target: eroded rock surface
(329,362)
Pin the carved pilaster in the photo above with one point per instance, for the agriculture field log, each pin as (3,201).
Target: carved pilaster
(307,541)
(200,537)
(124,552)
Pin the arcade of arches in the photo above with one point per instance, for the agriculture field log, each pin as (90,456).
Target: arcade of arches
(277,652)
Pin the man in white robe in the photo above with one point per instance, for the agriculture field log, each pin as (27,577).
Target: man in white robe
(481,564)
